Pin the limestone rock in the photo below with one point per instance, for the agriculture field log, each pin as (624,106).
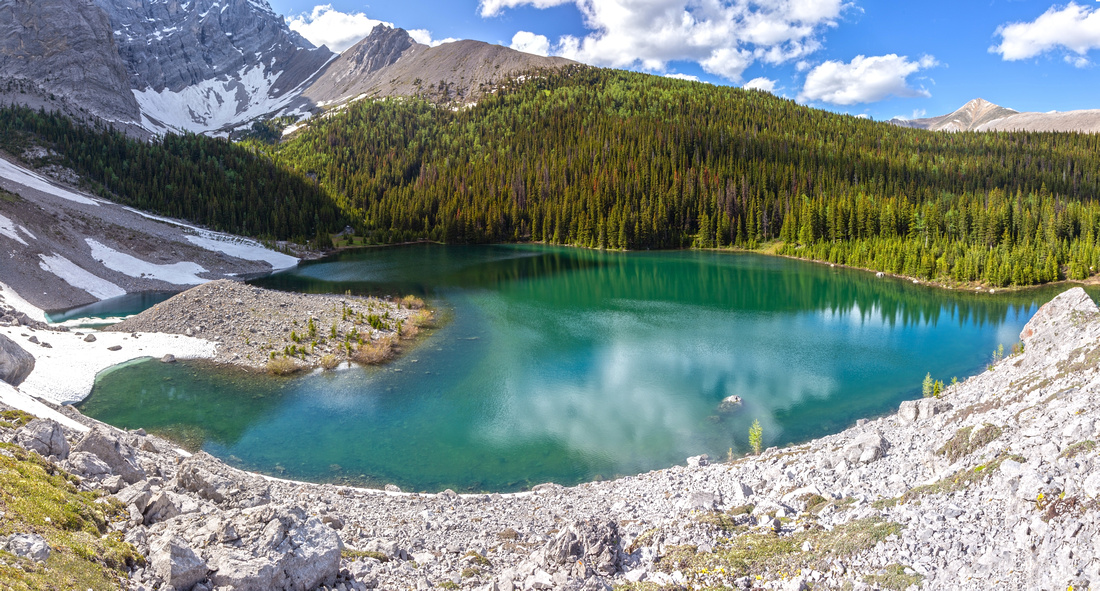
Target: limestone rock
(32,546)
(15,363)
(176,563)
(63,53)
(108,449)
(45,437)
(585,548)
(87,465)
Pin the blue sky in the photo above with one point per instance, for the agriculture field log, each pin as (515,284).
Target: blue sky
(882,58)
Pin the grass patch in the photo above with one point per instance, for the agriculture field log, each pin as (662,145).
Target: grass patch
(15,418)
(357,554)
(448,585)
(283,366)
(477,558)
(412,302)
(471,572)
(894,577)
(642,540)
(772,555)
(37,497)
(960,480)
(329,361)
(967,440)
(376,352)
(9,197)
(508,534)
(1078,448)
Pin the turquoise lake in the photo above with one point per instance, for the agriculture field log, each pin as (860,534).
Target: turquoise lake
(566,365)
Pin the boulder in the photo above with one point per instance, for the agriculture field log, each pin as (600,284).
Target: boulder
(867,447)
(288,550)
(908,412)
(90,338)
(585,548)
(161,507)
(45,437)
(15,363)
(194,478)
(697,461)
(86,465)
(108,449)
(930,407)
(176,563)
(31,546)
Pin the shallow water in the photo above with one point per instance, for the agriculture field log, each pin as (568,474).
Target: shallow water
(567,365)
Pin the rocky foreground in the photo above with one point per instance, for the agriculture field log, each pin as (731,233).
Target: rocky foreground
(994,485)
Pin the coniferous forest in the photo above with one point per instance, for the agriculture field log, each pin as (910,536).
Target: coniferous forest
(612,159)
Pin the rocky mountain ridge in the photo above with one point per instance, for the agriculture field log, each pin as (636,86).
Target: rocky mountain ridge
(982,115)
(994,485)
(213,66)
(389,63)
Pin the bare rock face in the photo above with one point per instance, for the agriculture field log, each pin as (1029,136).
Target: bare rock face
(45,437)
(225,59)
(389,63)
(64,50)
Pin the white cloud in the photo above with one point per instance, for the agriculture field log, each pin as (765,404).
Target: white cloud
(338,30)
(863,116)
(1075,28)
(761,83)
(679,76)
(495,7)
(424,36)
(723,36)
(864,79)
(529,42)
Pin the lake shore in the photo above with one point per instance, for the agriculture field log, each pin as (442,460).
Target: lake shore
(994,485)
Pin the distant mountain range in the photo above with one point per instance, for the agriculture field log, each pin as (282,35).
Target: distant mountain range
(212,66)
(982,115)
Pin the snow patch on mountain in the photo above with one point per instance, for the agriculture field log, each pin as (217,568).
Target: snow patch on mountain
(79,278)
(181,273)
(24,177)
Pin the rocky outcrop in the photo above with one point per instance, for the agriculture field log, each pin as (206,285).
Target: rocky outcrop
(15,363)
(204,65)
(63,54)
(45,437)
(31,546)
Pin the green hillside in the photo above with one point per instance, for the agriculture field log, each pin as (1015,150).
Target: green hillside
(611,159)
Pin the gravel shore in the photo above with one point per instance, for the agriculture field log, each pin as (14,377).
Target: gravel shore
(253,327)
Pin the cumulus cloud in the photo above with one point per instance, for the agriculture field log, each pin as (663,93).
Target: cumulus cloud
(1074,28)
(529,42)
(679,76)
(864,79)
(723,36)
(338,30)
(424,36)
(761,83)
